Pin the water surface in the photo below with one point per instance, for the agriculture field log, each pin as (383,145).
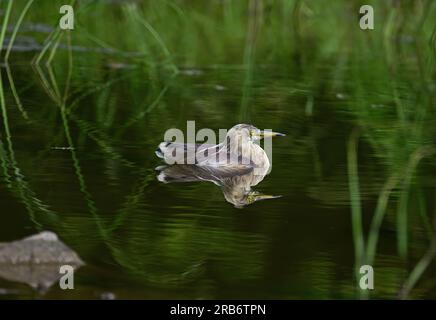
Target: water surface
(84,168)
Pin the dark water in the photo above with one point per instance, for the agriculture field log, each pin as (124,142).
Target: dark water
(88,174)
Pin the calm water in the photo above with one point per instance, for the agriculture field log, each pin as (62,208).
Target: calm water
(88,174)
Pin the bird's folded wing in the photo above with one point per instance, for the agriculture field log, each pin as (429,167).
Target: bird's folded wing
(182,153)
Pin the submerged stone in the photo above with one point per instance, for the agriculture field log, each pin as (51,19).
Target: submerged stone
(36,260)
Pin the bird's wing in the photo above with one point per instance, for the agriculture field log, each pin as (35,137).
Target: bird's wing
(180,153)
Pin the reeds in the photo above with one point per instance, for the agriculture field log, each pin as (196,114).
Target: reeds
(368,256)
(295,39)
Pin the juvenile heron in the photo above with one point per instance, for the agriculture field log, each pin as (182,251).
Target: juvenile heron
(236,164)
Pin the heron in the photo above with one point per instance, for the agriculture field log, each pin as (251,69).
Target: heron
(236,164)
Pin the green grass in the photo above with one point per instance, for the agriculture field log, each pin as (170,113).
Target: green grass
(314,47)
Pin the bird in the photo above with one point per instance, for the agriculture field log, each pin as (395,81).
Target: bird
(236,164)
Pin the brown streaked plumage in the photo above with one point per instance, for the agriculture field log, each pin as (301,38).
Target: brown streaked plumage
(236,164)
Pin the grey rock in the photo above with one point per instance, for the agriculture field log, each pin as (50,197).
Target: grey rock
(36,260)
(107,296)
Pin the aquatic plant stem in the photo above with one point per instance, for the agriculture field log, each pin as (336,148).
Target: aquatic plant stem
(17,26)
(5,24)
(419,269)
(356,210)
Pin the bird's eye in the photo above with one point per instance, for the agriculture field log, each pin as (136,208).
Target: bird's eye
(254,134)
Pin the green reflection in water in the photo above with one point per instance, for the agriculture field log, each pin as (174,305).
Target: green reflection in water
(80,127)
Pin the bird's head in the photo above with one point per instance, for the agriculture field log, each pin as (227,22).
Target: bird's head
(249,132)
(249,198)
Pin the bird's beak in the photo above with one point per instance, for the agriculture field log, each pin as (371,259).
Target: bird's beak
(255,196)
(270,134)
(261,196)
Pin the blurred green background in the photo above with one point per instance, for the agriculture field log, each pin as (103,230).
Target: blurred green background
(83,111)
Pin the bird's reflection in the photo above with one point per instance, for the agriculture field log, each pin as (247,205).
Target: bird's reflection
(236,182)
(236,164)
